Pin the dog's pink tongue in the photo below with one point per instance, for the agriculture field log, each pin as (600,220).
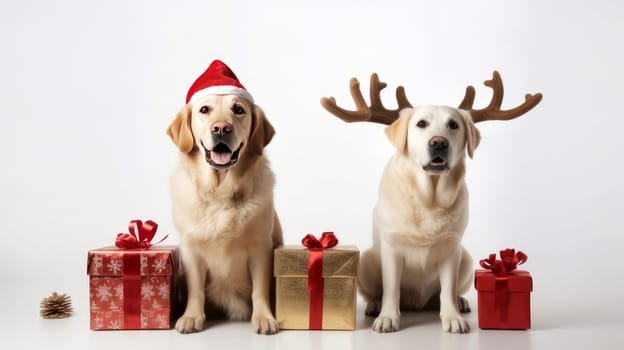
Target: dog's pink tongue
(221,158)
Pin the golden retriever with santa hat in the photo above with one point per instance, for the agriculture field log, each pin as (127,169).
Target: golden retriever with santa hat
(222,194)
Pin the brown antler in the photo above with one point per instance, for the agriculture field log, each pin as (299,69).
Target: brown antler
(376,112)
(493,111)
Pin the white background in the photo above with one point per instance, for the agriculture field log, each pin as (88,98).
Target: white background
(87,89)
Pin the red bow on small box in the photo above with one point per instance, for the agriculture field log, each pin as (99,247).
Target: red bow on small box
(328,240)
(140,236)
(510,259)
(315,274)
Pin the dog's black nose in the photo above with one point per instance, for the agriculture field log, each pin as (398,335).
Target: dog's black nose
(221,128)
(438,143)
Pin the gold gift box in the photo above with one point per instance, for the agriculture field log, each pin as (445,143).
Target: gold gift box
(292,308)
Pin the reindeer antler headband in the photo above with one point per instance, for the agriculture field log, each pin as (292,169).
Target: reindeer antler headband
(377,113)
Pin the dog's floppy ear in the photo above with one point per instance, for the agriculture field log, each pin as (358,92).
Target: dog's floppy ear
(261,132)
(180,130)
(397,131)
(473,136)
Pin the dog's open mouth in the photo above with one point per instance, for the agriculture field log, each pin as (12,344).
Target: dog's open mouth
(437,165)
(221,156)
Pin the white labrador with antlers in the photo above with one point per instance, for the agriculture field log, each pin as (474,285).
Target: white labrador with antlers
(417,260)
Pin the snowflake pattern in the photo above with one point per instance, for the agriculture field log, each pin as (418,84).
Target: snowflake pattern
(119,291)
(107,290)
(114,266)
(147,291)
(163,290)
(159,265)
(103,292)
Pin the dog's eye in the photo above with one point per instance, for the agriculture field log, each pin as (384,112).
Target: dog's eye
(422,124)
(453,125)
(204,109)
(238,110)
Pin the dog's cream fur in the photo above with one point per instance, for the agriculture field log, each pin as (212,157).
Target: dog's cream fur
(225,217)
(418,224)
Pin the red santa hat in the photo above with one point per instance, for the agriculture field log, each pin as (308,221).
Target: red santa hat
(218,79)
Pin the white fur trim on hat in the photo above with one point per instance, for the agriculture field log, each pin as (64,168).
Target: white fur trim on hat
(221,90)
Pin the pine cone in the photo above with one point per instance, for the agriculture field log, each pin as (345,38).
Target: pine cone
(56,306)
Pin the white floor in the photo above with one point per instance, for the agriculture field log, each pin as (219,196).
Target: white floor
(557,323)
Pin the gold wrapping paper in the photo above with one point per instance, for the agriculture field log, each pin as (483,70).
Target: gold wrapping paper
(340,267)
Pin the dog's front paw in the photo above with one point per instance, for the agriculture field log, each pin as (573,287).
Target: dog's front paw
(385,324)
(455,324)
(264,325)
(190,324)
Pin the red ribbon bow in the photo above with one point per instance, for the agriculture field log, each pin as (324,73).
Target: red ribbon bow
(315,274)
(140,236)
(328,240)
(510,259)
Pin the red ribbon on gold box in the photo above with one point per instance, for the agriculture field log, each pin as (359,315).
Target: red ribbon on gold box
(316,285)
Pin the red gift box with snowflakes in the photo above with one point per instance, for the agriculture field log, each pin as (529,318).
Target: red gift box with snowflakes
(131,284)
(121,299)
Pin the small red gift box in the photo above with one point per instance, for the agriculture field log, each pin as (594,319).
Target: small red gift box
(504,299)
(131,285)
